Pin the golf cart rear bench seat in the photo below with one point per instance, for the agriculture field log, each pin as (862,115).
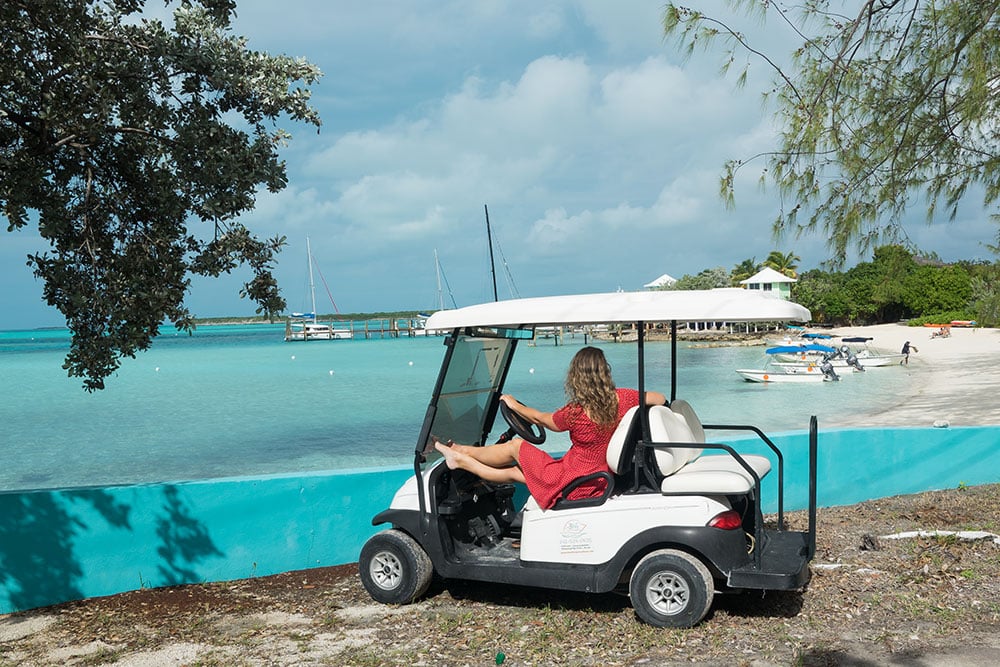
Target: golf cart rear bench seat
(680,470)
(685,470)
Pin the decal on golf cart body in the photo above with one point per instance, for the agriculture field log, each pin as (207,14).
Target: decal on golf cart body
(575,539)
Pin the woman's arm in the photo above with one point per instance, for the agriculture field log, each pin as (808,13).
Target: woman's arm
(655,398)
(530,414)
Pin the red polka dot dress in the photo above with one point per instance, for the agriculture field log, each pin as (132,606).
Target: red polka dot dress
(546,477)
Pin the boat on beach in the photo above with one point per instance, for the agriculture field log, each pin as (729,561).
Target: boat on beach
(855,351)
(816,370)
(869,356)
(799,338)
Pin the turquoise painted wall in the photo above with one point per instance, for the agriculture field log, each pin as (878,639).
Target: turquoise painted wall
(69,544)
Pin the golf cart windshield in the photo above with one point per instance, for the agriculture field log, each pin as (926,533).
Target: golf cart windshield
(473,373)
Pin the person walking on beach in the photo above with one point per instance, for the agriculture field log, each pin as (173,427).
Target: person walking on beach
(906,352)
(591,416)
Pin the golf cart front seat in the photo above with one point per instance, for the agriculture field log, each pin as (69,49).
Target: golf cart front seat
(621,450)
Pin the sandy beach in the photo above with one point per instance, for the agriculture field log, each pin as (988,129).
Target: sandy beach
(954,380)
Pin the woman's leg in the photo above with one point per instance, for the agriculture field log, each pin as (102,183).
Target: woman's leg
(494,463)
(497,456)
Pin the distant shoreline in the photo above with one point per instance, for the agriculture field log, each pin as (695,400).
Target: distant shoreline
(339,317)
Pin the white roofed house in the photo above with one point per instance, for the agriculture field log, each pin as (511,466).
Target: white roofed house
(768,280)
(666,280)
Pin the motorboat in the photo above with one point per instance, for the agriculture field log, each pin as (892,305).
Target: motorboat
(814,366)
(811,353)
(800,337)
(868,356)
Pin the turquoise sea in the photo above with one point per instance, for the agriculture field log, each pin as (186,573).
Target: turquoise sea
(238,400)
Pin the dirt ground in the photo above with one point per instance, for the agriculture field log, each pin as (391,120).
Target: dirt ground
(921,600)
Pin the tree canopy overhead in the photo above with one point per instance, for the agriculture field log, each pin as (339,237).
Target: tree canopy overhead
(135,145)
(894,105)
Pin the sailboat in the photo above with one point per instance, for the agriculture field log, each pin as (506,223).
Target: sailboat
(421,331)
(304,326)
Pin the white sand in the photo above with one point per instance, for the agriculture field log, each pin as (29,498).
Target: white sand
(954,380)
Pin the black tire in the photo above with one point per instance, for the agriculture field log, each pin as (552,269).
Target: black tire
(671,589)
(394,568)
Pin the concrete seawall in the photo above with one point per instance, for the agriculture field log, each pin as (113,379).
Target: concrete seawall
(67,544)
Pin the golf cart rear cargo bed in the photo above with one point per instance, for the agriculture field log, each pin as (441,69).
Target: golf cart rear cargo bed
(784,563)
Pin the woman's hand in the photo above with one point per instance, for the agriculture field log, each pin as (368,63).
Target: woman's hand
(511,402)
(531,414)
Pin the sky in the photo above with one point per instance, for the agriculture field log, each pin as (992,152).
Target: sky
(595,145)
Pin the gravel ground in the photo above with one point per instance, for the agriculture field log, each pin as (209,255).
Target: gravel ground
(920,600)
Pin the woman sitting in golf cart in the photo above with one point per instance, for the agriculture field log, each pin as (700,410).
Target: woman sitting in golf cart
(591,416)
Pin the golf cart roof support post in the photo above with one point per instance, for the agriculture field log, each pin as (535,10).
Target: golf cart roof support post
(494,405)
(673,360)
(641,380)
(638,459)
(813,447)
(425,428)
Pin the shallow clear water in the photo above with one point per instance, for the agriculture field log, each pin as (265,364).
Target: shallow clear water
(238,400)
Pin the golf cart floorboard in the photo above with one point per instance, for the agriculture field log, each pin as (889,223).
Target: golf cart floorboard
(784,563)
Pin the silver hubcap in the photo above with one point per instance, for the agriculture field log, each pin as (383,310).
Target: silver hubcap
(668,593)
(386,570)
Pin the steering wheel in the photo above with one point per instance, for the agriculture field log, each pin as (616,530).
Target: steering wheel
(521,427)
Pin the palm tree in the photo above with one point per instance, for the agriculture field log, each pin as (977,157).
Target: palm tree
(744,270)
(785,263)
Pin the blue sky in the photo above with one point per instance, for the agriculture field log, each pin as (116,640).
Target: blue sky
(597,149)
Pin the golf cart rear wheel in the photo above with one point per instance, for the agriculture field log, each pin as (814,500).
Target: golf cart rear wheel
(394,568)
(671,589)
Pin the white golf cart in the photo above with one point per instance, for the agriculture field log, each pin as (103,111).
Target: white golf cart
(681,517)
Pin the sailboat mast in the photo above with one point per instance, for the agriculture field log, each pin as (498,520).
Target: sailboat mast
(437,270)
(489,239)
(312,287)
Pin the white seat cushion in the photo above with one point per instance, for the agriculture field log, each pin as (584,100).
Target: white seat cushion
(666,426)
(705,482)
(726,463)
(716,474)
(684,409)
(617,441)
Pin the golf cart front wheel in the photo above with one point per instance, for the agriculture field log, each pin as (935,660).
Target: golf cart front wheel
(671,589)
(394,568)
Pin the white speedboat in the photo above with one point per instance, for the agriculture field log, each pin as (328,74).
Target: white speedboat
(800,338)
(787,374)
(870,357)
(801,353)
(816,370)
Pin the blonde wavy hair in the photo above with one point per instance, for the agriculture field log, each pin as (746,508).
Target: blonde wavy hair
(589,385)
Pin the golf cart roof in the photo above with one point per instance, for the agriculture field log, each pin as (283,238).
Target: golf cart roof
(719,305)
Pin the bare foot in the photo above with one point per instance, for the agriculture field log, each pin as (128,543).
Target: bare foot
(438,441)
(450,456)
